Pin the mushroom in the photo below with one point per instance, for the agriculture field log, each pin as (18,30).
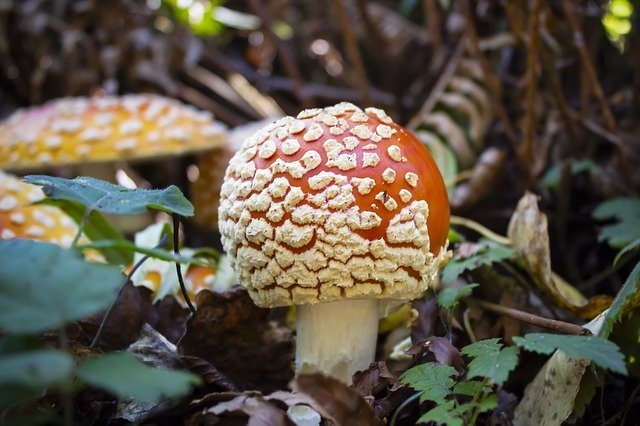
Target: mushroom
(94,134)
(19,218)
(340,212)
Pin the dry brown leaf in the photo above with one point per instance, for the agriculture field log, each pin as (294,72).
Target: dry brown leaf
(529,235)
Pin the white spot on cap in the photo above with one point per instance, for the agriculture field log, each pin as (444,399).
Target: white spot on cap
(296,126)
(66,126)
(311,159)
(103,118)
(381,114)
(405,195)
(359,117)
(350,142)
(370,159)
(384,131)
(326,118)
(333,148)
(314,133)
(294,235)
(53,142)
(17,218)
(126,144)
(364,185)
(94,134)
(336,131)
(131,126)
(389,175)
(267,149)
(7,234)
(35,231)
(411,178)
(290,146)
(8,202)
(308,113)
(394,152)
(346,162)
(362,131)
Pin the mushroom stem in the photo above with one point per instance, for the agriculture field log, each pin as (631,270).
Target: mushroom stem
(336,338)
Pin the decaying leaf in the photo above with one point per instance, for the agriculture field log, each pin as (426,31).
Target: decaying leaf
(550,398)
(381,388)
(530,238)
(335,401)
(240,340)
(259,410)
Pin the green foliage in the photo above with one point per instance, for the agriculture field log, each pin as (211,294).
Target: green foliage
(35,369)
(626,213)
(106,197)
(600,351)
(491,360)
(433,380)
(126,376)
(487,253)
(629,289)
(201,257)
(44,286)
(450,296)
(448,413)
(551,179)
(95,227)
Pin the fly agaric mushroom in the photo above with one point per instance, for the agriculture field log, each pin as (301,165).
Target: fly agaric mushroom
(72,131)
(337,211)
(97,135)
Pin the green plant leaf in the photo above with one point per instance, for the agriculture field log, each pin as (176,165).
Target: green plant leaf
(126,376)
(450,296)
(96,228)
(445,413)
(596,349)
(627,228)
(629,249)
(491,360)
(38,369)
(156,253)
(468,388)
(43,286)
(432,379)
(107,197)
(487,253)
(629,289)
(551,179)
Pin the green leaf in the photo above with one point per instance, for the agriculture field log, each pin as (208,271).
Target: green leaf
(488,253)
(38,369)
(432,379)
(628,249)
(156,253)
(43,286)
(450,296)
(627,212)
(107,197)
(445,413)
(124,375)
(96,228)
(551,179)
(596,349)
(491,360)
(469,388)
(489,402)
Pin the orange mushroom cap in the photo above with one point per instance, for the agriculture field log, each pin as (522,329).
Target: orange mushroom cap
(71,131)
(20,219)
(337,203)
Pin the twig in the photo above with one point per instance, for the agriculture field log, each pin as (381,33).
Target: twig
(400,409)
(353,51)
(432,18)
(67,401)
(284,53)
(493,83)
(578,41)
(556,325)
(105,319)
(176,250)
(531,118)
(195,97)
(480,229)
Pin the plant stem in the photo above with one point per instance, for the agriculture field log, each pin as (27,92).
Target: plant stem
(474,402)
(176,250)
(83,221)
(402,406)
(556,325)
(480,229)
(96,339)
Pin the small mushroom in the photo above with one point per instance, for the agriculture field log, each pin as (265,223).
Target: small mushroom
(339,211)
(98,135)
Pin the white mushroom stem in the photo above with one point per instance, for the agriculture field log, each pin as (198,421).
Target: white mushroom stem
(336,338)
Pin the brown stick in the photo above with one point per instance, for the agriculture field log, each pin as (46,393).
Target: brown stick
(284,53)
(353,51)
(531,117)
(432,18)
(493,83)
(556,325)
(590,73)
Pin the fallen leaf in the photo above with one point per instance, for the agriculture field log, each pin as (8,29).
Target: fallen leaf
(424,325)
(240,340)
(335,401)
(550,398)
(381,388)
(260,411)
(530,238)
